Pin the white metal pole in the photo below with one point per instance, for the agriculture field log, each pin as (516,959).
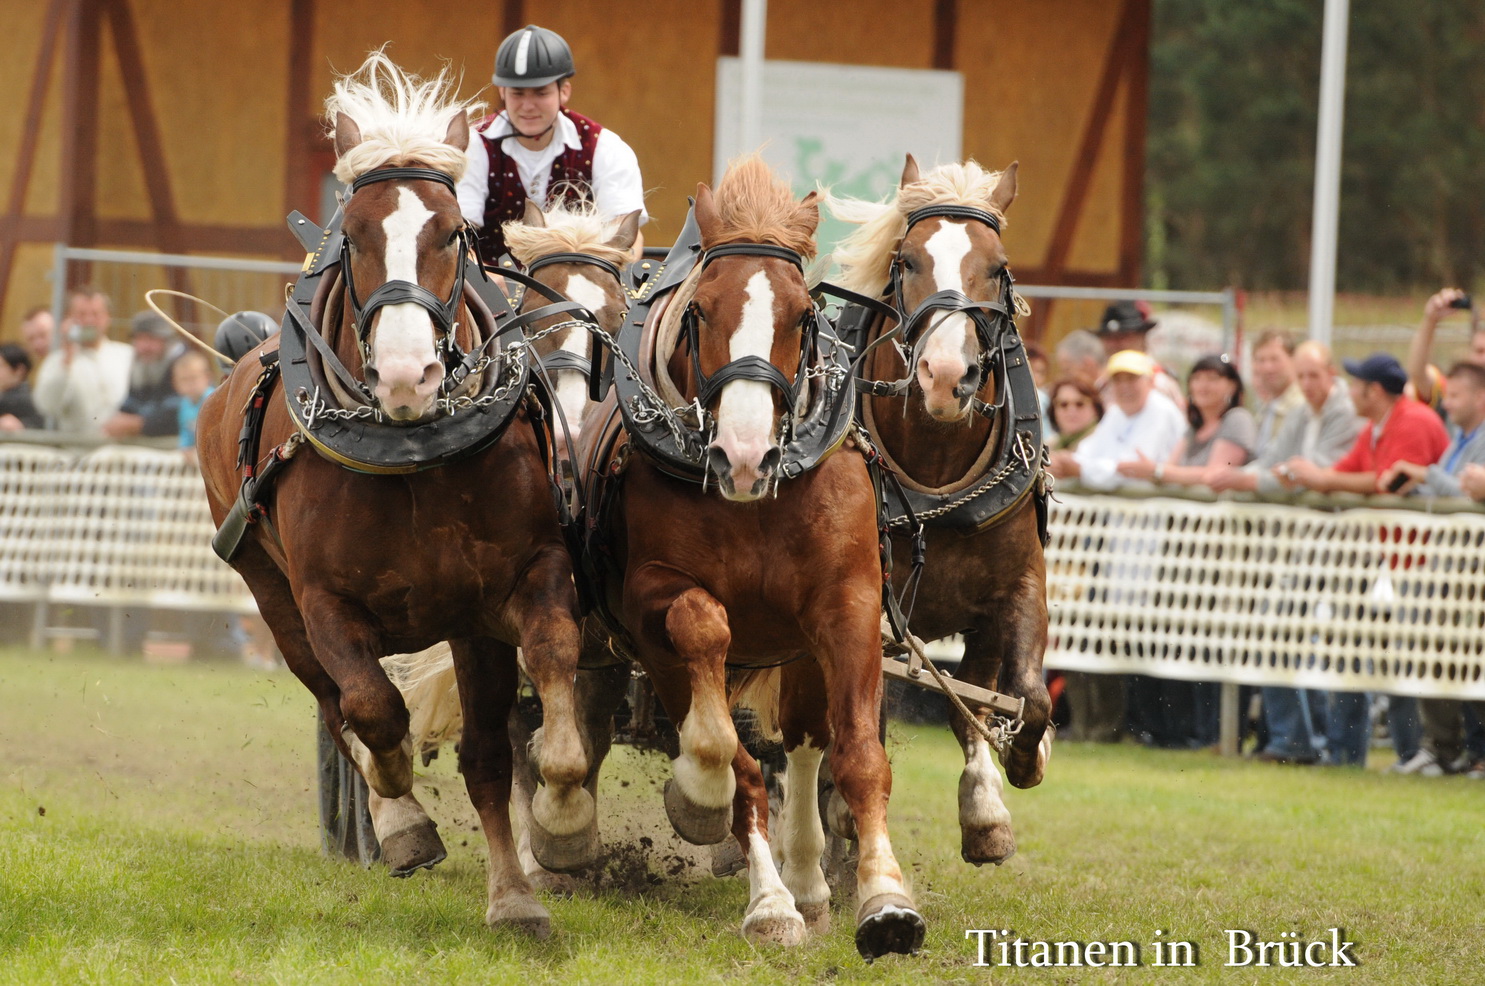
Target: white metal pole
(1328,169)
(754,23)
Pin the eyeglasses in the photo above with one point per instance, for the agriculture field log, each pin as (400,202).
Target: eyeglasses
(1079,402)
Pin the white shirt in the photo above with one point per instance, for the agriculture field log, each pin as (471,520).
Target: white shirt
(617,187)
(82,396)
(1155,431)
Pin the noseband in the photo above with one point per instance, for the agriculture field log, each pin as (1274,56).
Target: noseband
(563,359)
(754,368)
(397,292)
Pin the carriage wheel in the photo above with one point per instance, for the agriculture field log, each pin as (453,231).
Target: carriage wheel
(345,819)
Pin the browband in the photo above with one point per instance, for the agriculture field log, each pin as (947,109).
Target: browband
(575,258)
(393,174)
(752,250)
(953,212)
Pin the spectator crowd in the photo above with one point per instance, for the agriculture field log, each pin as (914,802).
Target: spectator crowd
(1117,419)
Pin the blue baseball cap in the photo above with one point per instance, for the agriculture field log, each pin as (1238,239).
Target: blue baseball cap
(1382,368)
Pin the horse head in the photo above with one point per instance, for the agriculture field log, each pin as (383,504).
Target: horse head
(578,254)
(750,322)
(400,145)
(949,255)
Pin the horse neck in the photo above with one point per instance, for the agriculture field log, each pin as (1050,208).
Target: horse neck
(933,453)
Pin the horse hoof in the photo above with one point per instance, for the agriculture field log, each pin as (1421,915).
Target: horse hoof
(981,846)
(412,849)
(783,926)
(523,915)
(888,923)
(728,858)
(697,825)
(816,917)
(564,853)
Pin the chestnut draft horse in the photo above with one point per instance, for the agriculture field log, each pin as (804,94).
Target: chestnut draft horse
(968,455)
(756,560)
(427,542)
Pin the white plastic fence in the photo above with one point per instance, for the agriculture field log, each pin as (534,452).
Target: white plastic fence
(116,526)
(1257,593)
(1361,599)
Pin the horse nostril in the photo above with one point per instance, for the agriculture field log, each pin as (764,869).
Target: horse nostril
(969,384)
(372,377)
(771,460)
(925,369)
(432,374)
(717,461)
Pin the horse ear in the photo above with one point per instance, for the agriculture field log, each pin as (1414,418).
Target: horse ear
(1005,191)
(809,211)
(534,217)
(909,172)
(628,230)
(458,135)
(706,214)
(347,134)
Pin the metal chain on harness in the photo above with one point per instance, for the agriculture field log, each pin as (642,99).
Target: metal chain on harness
(1023,452)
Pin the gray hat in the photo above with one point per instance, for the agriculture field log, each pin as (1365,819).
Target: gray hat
(531,58)
(151,323)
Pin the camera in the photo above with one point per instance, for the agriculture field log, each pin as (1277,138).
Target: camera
(1463,301)
(1401,479)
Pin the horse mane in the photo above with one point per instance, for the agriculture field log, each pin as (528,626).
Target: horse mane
(865,256)
(403,118)
(755,206)
(569,229)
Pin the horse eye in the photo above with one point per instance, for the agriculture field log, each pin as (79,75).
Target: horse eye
(908,265)
(453,238)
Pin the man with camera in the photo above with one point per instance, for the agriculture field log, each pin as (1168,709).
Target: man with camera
(1420,373)
(82,383)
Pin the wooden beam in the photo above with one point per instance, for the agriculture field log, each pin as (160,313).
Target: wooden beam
(153,161)
(145,235)
(729,36)
(945,27)
(1136,121)
(1116,61)
(30,138)
(79,196)
(301,122)
(515,16)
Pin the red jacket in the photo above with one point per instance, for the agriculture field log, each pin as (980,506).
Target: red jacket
(1412,432)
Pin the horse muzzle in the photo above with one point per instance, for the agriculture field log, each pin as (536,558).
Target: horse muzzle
(405,390)
(744,475)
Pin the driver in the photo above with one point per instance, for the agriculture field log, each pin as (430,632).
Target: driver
(538,149)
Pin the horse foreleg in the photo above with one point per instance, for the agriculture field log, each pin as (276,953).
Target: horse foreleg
(985,829)
(374,719)
(1024,636)
(806,732)
(563,825)
(597,694)
(771,916)
(699,798)
(486,670)
(886,918)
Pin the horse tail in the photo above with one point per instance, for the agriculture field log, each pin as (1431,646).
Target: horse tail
(426,680)
(759,691)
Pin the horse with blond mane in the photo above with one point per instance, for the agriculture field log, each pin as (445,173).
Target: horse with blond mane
(735,529)
(952,409)
(409,500)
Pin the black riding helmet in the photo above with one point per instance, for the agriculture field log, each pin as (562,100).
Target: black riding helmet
(240,334)
(531,58)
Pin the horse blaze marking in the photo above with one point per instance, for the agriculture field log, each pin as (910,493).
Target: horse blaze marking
(948,247)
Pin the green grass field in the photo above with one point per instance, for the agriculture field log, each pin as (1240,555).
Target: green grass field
(157,825)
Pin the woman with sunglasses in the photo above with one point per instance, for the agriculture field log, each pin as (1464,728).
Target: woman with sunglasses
(1074,410)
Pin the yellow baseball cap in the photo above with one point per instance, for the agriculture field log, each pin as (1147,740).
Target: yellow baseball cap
(1130,361)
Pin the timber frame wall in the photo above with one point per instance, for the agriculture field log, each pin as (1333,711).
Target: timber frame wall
(143,124)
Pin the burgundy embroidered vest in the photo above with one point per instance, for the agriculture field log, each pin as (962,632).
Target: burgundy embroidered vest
(571,177)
